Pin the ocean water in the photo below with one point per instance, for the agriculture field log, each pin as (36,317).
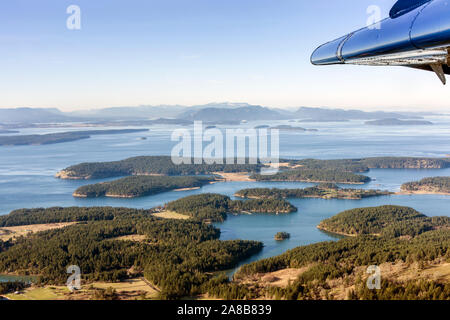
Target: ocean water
(27,174)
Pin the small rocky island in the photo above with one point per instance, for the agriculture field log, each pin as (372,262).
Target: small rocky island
(281,236)
(148,165)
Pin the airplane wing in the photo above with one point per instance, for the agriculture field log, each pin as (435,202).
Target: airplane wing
(416,34)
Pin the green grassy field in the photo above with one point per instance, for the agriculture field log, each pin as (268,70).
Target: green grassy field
(47,293)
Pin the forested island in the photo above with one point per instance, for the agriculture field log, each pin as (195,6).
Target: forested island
(323,191)
(148,165)
(51,138)
(398,122)
(215,207)
(162,165)
(314,175)
(438,185)
(392,221)
(364,164)
(8,131)
(139,186)
(291,128)
(323,120)
(178,256)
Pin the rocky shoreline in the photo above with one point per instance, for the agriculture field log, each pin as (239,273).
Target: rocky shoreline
(70,175)
(323,228)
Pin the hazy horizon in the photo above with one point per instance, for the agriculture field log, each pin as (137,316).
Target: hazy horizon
(287,108)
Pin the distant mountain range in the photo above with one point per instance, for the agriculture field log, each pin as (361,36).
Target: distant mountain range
(34,115)
(247,113)
(152,112)
(211,113)
(323,114)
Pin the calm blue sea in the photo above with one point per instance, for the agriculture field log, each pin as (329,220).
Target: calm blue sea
(27,174)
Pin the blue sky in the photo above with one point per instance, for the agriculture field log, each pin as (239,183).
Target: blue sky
(150,52)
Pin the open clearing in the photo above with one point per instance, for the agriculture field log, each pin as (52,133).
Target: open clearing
(234,176)
(171,215)
(186,189)
(284,165)
(46,293)
(125,290)
(132,237)
(128,288)
(280,278)
(7,233)
(436,271)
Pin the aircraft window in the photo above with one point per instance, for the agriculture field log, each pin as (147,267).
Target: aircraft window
(402,7)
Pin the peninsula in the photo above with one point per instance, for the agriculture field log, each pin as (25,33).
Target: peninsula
(385,220)
(52,138)
(433,185)
(148,165)
(162,251)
